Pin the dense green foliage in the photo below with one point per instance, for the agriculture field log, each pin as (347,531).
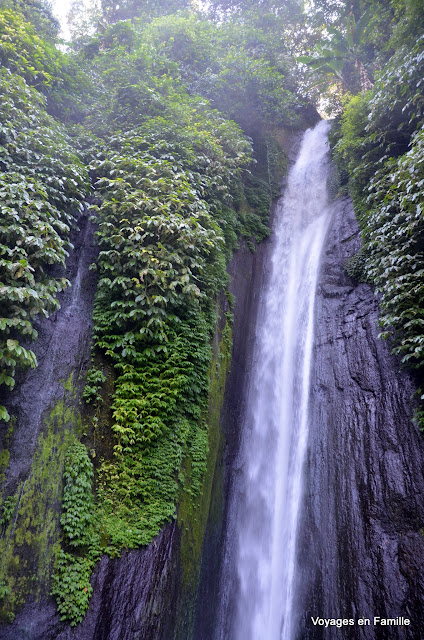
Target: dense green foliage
(71,580)
(151,115)
(77,516)
(144,70)
(161,264)
(381,149)
(71,585)
(378,147)
(368,58)
(351,42)
(150,108)
(37,13)
(42,184)
(26,53)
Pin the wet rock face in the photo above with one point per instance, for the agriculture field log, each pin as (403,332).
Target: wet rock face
(361,551)
(134,596)
(133,599)
(62,350)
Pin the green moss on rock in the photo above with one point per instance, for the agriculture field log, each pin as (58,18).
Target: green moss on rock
(31,534)
(194,506)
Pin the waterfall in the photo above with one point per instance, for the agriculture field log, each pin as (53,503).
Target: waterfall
(259,573)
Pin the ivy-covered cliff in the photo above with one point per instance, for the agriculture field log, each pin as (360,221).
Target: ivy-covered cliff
(144,130)
(160,131)
(378,148)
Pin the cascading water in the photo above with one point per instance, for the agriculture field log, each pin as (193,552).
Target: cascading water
(258,579)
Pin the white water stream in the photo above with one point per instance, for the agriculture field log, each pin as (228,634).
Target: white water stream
(258,582)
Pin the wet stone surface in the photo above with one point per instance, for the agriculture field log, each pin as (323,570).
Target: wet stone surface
(133,598)
(362,549)
(62,350)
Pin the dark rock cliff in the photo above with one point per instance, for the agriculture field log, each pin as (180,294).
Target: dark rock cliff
(133,599)
(63,351)
(362,547)
(361,551)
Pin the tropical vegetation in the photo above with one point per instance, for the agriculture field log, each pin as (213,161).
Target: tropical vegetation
(143,128)
(161,123)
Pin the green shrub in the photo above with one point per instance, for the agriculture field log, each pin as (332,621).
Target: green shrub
(42,184)
(77,504)
(71,585)
(381,144)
